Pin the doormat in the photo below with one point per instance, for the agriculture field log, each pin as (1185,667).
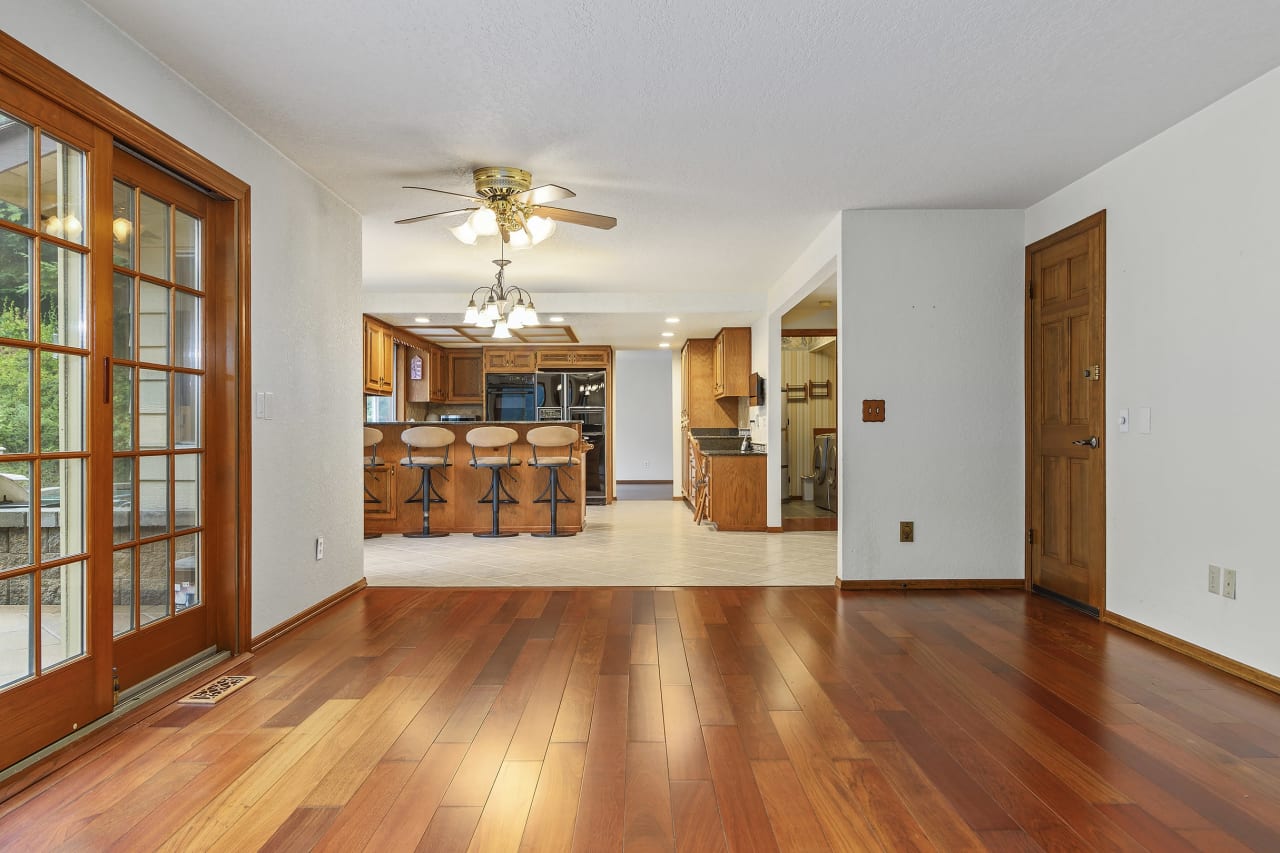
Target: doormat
(217,690)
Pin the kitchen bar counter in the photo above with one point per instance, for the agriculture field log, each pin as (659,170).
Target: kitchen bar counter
(462,486)
(732,490)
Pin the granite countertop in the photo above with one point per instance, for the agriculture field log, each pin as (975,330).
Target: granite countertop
(726,446)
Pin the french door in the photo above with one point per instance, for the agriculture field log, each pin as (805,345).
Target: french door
(120,391)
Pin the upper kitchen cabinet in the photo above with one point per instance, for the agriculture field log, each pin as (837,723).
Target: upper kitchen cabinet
(698,404)
(732,366)
(379,358)
(578,358)
(466,376)
(508,360)
(438,374)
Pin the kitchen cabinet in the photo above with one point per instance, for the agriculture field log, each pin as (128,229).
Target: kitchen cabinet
(579,358)
(466,376)
(438,374)
(508,360)
(698,404)
(732,363)
(732,487)
(379,359)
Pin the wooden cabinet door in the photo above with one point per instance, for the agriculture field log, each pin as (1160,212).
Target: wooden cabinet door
(733,363)
(388,362)
(372,358)
(466,377)
(508,361)
(439,378)
(573,359)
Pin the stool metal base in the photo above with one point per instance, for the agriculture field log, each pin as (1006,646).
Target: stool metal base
(373,536)
(421,535)
(495,534)
(554,534)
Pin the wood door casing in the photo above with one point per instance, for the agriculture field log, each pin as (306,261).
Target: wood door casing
(1066,396)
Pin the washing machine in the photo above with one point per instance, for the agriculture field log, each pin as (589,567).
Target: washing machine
(825,467)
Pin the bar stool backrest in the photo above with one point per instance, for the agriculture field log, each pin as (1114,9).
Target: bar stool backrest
(427,438)
(372,437)
(492,437)
(552,437)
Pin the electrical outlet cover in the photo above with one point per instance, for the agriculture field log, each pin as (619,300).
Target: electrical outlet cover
(1228,583)
(906,531)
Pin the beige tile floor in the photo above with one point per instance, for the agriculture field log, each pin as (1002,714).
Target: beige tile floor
(631,543)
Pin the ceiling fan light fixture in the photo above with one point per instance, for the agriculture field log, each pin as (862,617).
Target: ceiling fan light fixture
(484,222)
(465,233)
(539,228)
(519,239)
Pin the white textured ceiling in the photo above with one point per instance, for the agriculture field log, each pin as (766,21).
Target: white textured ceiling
(722,135)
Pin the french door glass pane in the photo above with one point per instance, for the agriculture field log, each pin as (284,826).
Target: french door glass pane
(186,410)
(186,491)
(16,654)
(62,211)
(122,436)
(153,237)
(186,250)
(122,500)
(186,329)
(62,414)
(122,592)
(153,495)
(186,571)
(17,521)
(123,223)
(122,316)
(15,284)
(15,170)
(62,311)
(15,400)
(153,323)
(153,573)
(153,409)
(62,616)
(62,499)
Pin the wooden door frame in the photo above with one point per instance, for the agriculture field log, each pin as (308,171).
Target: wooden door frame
(229,301)
(1098,220)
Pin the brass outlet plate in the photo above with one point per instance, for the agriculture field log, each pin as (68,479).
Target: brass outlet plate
(906,531)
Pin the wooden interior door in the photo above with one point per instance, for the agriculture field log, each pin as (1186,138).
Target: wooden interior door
(1066,365)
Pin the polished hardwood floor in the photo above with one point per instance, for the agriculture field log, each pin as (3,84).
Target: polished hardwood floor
(687,719)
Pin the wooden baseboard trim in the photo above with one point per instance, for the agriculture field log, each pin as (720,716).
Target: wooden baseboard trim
(678,498)
(310,613)
(1231,666)
(88,741)
(774,529)
(644,482)
(932,583)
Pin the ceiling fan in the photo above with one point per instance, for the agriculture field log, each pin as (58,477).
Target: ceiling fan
(506,203)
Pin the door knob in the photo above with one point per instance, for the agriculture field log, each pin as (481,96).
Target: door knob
(1091,441)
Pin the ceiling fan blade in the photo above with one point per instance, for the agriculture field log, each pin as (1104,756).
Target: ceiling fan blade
(576,217)
(544,194)
(434,215)
(444,192)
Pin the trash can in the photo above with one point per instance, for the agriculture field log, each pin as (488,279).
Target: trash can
(806,486)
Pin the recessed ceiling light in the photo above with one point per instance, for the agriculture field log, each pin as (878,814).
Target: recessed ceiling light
(664,344)
(422,319)
(556,319)
(668,334)
(673,319)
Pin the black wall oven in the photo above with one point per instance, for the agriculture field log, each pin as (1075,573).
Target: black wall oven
(510,397)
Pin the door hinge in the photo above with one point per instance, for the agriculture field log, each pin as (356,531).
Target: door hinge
(1031,290)
(1031,536)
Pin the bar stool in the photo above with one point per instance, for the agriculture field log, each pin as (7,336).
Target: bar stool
(494,440)
(372,437)
(426,438)
(559,440)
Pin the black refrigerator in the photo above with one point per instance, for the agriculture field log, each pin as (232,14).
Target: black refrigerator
(580,397)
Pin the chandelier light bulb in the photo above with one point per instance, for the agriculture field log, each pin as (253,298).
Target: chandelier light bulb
(484,322)
(530,315)
(72,226)
(53,226)
(484,222)
(121,229)
(465,233)
(501,329)
(540,228)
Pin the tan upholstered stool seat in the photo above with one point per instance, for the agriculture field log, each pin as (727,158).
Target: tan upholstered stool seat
(415,461)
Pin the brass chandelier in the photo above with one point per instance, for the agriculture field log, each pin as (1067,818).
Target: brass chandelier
(501,307)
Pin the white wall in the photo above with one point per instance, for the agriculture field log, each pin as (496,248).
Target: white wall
(931,319)
(305,310)
(642,415)
(1193,299)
